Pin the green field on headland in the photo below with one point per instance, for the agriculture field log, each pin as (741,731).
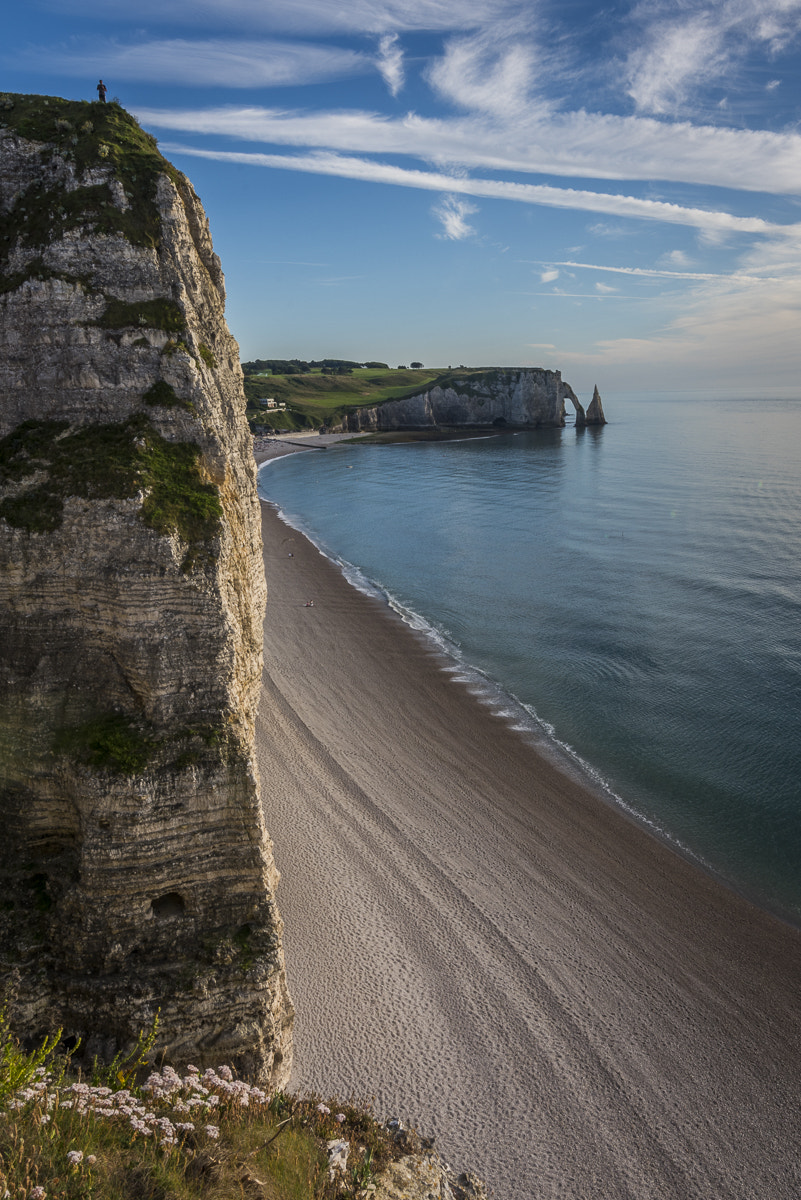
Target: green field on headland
(314,398)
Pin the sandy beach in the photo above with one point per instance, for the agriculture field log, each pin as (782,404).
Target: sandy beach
(482,945)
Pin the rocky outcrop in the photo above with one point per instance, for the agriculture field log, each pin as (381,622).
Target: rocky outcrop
(515,398)
(136,872)
(595,413)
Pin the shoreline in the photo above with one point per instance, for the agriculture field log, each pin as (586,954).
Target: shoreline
(565,1001)
(540,737)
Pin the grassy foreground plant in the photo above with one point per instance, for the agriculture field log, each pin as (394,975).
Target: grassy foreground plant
(170,1136)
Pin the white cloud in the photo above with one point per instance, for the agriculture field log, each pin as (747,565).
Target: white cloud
(488,72)
(727,324)
(676,258)
(678,55)
(453,212)
(718,339)
(774,83)
(390,62)
(654,272)
(305,16)
(575,144)
(711,223)
(604,288)
(549,276)
(217,62)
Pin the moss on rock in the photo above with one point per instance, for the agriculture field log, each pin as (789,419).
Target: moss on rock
(102,462)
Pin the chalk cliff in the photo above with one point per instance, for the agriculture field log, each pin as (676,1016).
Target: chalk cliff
(135,870)
(517,398)
(595,413)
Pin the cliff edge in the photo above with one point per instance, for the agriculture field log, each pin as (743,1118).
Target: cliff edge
(135,872)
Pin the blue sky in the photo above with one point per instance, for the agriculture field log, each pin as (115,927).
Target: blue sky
(609,189)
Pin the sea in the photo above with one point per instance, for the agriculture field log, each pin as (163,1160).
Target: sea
(628,597)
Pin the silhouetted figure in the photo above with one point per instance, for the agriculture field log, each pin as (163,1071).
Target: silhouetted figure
(101,92)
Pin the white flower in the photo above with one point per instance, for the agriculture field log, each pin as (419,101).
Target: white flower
(91,1159)
(74,1157)
(324,1109)
(211,1131)
(340,1117)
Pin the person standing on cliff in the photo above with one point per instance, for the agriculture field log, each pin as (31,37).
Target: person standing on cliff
(101,92)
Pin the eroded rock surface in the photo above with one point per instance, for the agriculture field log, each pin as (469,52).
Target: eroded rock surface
(136,872)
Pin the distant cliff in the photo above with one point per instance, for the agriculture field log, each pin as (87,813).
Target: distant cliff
(515,398)
(135,869)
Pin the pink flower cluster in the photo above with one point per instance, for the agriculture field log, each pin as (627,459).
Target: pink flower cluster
(193,1095)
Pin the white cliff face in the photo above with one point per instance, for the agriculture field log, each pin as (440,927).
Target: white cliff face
(524,398)
(136,871)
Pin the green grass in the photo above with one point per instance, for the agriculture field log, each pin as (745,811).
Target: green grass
(314,399)
(120,1134)
(100,462)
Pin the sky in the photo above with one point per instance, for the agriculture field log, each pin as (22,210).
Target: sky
(612,190)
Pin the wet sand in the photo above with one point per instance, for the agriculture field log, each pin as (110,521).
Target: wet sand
(489,950)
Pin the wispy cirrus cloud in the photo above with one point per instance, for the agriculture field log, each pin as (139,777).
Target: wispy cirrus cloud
(727,321)
(217,62)
(679,52)
(581,143)
(489,72)
(316,16)
(657,273)
(453,214)
(722,330)
(390,62)
(711,223)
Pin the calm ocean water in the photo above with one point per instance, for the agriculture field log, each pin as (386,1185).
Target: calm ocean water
(631,595)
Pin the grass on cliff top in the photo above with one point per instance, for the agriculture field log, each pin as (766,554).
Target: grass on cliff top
(315,399)
(122,1134)
(99,462)
(90,135)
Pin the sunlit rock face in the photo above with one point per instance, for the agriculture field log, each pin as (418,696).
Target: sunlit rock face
(137,876)
(518,398)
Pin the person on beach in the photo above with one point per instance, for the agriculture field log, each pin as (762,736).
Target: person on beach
(101,92)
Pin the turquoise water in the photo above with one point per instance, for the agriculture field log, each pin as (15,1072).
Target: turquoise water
(635,589)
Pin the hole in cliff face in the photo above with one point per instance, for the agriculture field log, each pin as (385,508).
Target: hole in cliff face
(499,422)
(169,906)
